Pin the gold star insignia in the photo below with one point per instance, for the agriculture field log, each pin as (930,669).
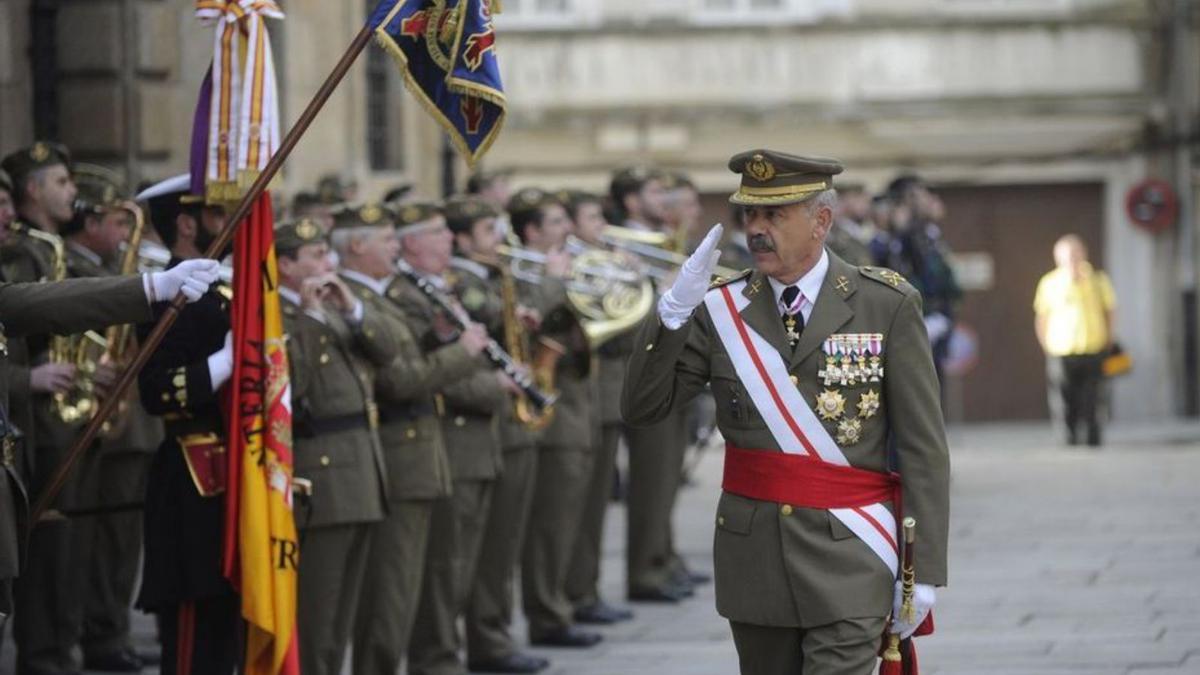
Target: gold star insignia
(891,277)
(830,404)
(849,432)
(868,404)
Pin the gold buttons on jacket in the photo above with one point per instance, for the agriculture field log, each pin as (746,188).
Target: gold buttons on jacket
(324,359)
(720,520)
(460,421)
(324,460)
(795,381)
(410,433)
(786,510)
(650,347)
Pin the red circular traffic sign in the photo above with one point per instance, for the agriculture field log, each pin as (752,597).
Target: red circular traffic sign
(1152,205)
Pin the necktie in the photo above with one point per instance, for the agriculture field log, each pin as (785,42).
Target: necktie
(793,318)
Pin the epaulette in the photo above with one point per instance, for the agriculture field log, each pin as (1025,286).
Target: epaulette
(719,280)
(887,277)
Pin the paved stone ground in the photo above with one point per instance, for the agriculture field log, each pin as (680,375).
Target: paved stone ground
(1063,562)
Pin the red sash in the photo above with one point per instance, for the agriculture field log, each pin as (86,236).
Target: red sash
(805,480)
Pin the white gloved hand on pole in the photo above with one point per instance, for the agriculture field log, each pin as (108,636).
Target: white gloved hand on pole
(924,598)
(220,363)
(675,306)
(191,277)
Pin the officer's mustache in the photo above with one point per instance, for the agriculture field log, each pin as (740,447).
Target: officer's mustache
(761,243)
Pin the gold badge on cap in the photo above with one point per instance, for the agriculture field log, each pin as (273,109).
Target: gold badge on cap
(830,404)
(412,214)
(760,168)
(307,229)
(370,214)
(40,152)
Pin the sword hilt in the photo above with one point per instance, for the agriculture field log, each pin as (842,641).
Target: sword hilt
(908,574)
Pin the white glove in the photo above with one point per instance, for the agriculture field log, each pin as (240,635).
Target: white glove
(937,325)
(220,363)
(675,306)
(192,277)
(924,598)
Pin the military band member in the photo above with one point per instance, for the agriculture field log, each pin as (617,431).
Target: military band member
(335,345)
(108,545)
(469,427)
(418,469)
(653,572)
(490,643)
(796,351)
(182,515)
(564,450)
(583,578)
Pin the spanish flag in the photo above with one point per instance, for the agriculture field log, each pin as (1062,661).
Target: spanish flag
(261,550)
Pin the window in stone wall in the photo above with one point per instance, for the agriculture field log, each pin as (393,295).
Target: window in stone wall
(385,96)
(547,14)
(756,11)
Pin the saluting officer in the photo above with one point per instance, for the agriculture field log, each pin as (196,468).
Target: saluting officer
(795,351)
(418,470)
(335,345)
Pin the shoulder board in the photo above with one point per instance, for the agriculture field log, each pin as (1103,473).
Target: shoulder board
(719,281)
(887,277)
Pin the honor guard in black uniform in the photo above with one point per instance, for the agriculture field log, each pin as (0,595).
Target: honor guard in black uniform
(182,580)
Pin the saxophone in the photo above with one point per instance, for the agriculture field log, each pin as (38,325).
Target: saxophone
(63,349)
(119,339)
(534,418)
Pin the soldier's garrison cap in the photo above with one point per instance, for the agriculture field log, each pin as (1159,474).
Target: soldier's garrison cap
(528,200)
(416,216)
(290,236)
(40,155)
(463,211)
(99,188)
(370,214)
(771,178)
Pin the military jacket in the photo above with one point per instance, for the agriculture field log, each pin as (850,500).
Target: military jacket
(334,413)
(472,404)
(410,429)
(36,308)
(782,566)
(183,528)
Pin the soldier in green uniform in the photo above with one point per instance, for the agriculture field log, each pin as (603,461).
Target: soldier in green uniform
(656,451)
(481,288)
(817,368)
(583,578)
(418,470)
(335,345)
(108,543)
(469,427)
(565,449)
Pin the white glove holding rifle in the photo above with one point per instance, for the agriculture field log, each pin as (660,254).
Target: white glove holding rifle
(675,306)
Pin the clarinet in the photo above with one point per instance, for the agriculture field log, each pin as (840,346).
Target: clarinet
(494,352)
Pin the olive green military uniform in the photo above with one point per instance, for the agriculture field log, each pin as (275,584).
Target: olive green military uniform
(489,614)
(564,466)
(333,363)
(469,427)
(418,474)
(66,307)
(108,545)
(801,591)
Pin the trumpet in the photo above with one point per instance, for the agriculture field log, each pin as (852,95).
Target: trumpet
(662,263)
(606,296)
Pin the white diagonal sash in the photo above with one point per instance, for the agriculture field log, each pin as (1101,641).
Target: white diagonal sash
(792,422)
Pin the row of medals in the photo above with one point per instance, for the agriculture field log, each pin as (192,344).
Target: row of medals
(850,359)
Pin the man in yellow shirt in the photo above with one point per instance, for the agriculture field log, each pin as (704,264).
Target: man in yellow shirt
(1074,306)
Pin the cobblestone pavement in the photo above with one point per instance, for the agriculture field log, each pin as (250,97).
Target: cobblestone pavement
(1063,562)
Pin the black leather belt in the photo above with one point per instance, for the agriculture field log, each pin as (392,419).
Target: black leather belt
(311,428)
(389,414)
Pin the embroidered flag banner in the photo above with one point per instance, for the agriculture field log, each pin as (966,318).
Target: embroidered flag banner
(446,50)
